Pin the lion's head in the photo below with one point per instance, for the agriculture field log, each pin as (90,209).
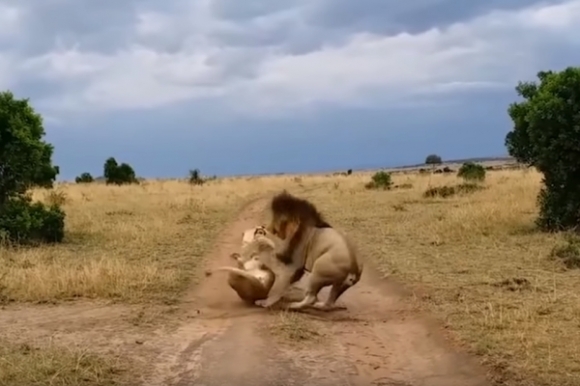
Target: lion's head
(289,214)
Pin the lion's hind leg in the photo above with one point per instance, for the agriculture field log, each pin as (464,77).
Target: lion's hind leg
(330,304)
(314,285)
(335,292)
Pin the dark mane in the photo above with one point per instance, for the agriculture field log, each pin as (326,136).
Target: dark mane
(300,209)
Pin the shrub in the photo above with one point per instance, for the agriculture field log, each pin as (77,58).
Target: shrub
(433,159)
(25,222)
(195,177)
(449,191)
(568,254)
(349,172)
(119,174)
(545,135)
(84,178)
(26,161)
(380,180)
(56,198)
(470,171)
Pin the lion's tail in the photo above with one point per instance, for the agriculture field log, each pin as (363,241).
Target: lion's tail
(356,266)
(351,279)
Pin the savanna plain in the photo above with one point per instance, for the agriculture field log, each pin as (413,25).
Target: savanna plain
(502,291)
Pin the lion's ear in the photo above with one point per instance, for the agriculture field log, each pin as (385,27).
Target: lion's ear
(292,228)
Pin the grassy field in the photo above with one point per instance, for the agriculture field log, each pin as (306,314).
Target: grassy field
(474,259)
(130,243)
(477,263)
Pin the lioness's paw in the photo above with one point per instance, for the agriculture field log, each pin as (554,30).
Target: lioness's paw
(261,303)
(266,303)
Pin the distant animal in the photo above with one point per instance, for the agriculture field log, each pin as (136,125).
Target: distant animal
(252,279)
(309,243)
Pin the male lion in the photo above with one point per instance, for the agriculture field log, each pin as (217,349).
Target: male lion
(252,278)
(309,243)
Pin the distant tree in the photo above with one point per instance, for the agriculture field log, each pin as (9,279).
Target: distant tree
(546,134)
(84,178)
(195,177)
(25,162)
(118,174)
(433,159)
(110,170)
(349,172)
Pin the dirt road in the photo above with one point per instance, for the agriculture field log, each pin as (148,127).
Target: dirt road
(374,342)
(220,341)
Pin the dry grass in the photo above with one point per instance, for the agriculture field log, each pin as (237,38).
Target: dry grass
(293,327)
(499,285)
(488,274)
(129,243)
(31,366)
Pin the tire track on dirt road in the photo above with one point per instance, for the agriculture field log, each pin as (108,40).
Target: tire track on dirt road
(376,341)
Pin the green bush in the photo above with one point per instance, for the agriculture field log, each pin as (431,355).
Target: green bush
(470,171)
(118,174)
(84,178)
(380,180)
(24,222)
(545,134)
(26,162)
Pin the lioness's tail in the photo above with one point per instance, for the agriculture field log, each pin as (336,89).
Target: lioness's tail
(237,271)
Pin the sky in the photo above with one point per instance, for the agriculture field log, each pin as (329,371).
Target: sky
(269,86)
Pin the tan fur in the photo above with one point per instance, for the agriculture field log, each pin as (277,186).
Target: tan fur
(309,243)
(252,279)
(250,234)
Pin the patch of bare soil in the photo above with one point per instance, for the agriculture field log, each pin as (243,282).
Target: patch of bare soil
(215,339)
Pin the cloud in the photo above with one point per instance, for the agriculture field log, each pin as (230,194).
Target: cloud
(264,58)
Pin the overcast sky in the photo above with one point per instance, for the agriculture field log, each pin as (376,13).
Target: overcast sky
(258,86)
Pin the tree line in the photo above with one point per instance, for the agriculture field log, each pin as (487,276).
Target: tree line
(545,135)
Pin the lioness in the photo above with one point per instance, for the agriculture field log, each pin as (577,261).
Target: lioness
(252,279)
(250,234)
(309,243)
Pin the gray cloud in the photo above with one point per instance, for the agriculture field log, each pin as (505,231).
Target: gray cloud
(262,55)
(168,85)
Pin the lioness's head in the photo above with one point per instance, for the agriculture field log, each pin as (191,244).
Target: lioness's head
(289,213)
(250,234)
